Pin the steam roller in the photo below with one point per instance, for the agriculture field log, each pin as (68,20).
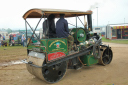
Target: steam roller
(50,64)
(48,57)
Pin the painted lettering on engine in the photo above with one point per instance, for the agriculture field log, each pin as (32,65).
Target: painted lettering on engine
(56,55)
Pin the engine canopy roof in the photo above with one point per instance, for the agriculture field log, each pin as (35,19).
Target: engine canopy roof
(37,13)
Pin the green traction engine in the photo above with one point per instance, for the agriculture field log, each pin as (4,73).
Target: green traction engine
(49,58)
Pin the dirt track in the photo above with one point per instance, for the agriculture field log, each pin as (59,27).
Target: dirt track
(115,73)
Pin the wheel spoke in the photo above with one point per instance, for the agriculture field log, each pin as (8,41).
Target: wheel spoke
(105,59)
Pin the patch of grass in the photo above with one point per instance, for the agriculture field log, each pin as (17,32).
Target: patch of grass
(11,47)
(12,53)
(115,41)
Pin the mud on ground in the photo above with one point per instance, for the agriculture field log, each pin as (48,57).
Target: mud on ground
(115,73)
(8,54)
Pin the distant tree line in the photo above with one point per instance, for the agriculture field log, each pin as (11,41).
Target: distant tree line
(7,30)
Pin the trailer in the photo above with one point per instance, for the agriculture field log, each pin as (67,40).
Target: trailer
(117,31)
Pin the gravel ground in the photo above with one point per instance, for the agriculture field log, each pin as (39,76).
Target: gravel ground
(115,73)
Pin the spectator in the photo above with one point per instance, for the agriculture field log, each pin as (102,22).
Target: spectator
(23,39)
(0,43)
(0,36)
(3,37)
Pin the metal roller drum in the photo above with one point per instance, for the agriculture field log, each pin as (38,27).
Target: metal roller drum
(50,74)
(34,70)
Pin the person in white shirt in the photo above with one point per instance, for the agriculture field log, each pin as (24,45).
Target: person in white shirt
(23,39)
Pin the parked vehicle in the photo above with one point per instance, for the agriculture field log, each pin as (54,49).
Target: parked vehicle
(15,39)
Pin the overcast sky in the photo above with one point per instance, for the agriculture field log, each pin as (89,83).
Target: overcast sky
(109,11)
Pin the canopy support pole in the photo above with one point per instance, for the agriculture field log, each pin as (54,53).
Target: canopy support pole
(26,31)
(76,30)
(85,23)
(48,26)
(34,30)
(81,21)
(35,34)
(76,21)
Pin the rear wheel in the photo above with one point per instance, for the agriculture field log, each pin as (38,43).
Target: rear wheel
(106,56)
